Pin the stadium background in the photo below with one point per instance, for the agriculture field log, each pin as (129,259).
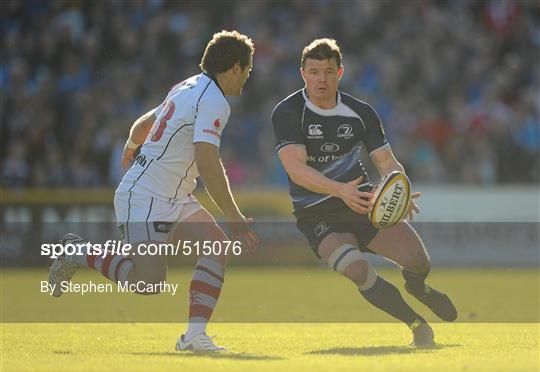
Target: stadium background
(456,84)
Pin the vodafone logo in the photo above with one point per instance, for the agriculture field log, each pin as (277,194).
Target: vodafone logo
(217,123)
(212,132)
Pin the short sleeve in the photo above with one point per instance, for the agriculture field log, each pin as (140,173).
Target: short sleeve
(157,110)
(375,137)
(210,120)
(286,129)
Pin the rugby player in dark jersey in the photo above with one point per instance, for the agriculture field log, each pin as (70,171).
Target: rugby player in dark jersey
(319,132)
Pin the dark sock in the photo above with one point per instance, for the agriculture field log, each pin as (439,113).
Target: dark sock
(387,298)
(415,282)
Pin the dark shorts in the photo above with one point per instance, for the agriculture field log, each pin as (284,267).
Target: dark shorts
(319,221)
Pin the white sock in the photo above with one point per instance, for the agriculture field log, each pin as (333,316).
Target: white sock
(80,259)
(195,329)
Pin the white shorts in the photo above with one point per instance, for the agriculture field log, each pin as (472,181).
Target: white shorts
(143,217)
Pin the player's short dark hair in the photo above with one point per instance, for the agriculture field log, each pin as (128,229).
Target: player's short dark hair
(322,49)
(225,50)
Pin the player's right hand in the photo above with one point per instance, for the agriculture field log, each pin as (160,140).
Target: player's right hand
(127,156)
(358,201)
(241,231)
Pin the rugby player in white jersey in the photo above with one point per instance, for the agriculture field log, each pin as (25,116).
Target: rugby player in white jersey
(179,141)
(319,131)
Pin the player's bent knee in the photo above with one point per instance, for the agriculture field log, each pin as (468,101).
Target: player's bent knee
(362,274)
(150,281)
(149,287)
(350,262)
(357,272)
(418,262)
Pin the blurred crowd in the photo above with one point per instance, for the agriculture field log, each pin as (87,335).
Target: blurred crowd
(456,83)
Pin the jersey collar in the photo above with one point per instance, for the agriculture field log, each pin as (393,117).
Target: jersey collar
(318,110)
(212,77)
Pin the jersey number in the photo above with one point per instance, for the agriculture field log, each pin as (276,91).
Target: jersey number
(163,121)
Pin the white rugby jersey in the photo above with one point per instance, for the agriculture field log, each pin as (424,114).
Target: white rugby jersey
(195,110)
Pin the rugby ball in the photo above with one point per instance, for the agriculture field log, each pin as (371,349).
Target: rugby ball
(391,198)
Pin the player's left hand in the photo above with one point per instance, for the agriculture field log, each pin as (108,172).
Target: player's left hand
(243,232)
(413,207)
(127,156)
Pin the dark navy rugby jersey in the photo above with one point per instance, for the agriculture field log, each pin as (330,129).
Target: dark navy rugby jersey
(332,138)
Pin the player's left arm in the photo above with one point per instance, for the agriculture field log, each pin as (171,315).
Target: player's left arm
(137,135)
(381,153)
(384,160)
(209,123)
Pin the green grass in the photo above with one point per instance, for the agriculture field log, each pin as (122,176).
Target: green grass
(271,319)
(274,295)
(269,347)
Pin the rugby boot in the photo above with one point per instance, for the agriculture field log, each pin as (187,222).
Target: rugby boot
(438,302)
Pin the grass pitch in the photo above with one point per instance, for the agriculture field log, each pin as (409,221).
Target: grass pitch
(269,347)
(280,319)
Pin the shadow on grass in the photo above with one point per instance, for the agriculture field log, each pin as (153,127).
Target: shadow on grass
(62,352)
(202,354)
(380,350)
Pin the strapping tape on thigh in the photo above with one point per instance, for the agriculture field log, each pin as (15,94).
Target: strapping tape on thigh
(343,256)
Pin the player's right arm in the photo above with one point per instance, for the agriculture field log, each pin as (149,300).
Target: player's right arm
(137,135)
(294,160)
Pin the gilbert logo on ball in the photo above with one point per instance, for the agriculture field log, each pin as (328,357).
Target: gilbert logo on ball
(391,196)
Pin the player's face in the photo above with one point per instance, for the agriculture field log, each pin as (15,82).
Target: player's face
(244,75)
(321,78)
